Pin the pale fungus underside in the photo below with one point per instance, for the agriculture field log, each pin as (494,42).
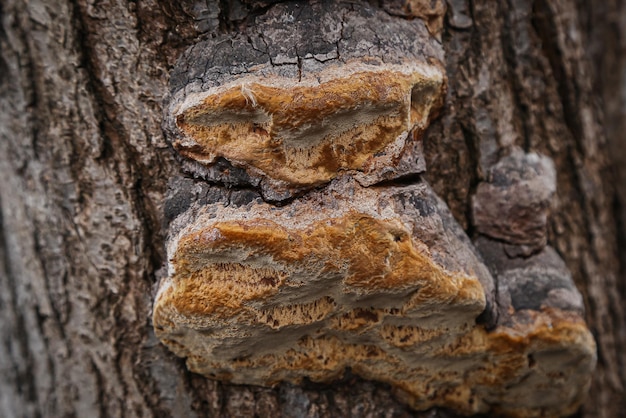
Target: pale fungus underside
(351,270)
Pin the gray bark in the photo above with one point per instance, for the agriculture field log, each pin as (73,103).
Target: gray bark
(86,167)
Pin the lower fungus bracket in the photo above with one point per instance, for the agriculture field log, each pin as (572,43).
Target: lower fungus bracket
(260,294)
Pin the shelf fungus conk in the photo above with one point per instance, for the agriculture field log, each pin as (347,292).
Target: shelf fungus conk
(299,134)
(381,281)
(287,112)
(294,253)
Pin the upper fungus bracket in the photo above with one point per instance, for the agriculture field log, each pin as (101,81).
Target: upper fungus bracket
(292,111)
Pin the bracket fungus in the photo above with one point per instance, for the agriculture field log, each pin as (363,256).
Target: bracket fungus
(316,263)
(286,111)
(297,134)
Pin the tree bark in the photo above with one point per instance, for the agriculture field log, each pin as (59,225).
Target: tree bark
(86,168)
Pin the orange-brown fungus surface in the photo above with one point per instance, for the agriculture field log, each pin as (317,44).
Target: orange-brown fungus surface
(305,135)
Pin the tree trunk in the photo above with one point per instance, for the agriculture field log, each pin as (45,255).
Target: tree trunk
(87,166)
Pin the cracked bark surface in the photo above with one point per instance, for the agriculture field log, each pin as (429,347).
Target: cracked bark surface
(86,168)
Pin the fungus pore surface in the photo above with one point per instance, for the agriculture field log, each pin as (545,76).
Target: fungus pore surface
(304,134)
(378,281)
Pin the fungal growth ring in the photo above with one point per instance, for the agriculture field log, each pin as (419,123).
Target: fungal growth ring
(293,253)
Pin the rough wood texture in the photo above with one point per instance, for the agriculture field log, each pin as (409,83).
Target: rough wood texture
(85,167)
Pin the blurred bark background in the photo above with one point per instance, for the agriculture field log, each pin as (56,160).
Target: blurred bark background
(85,168)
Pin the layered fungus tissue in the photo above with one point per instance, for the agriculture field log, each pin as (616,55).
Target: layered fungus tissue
(294,253)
